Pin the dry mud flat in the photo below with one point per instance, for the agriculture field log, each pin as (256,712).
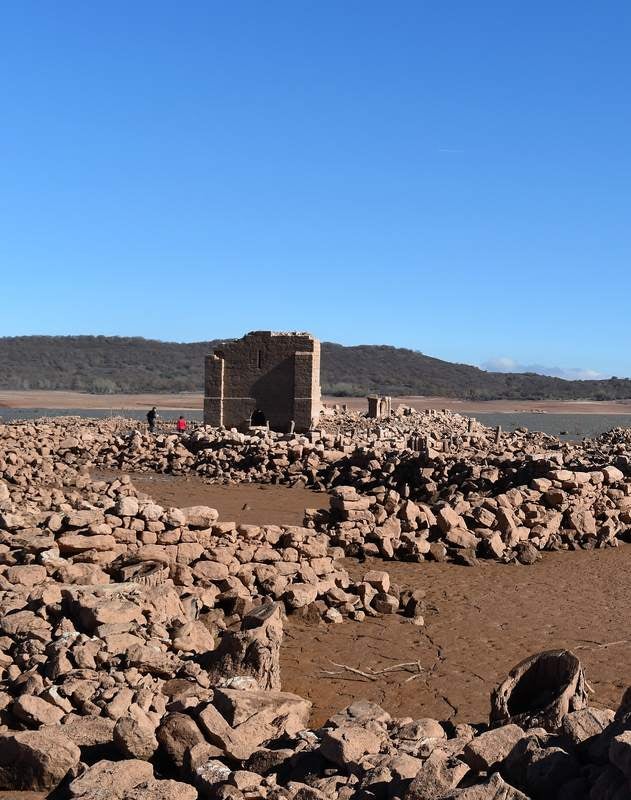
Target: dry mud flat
(195,401)
(104,402)
(486,619)
(249,504)
(481,622)
(496,406)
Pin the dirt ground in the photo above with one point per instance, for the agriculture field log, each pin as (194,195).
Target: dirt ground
(246,503)
(194,401)
(18,795)
(495,406)
(103,402)
(483,621)
(480,621)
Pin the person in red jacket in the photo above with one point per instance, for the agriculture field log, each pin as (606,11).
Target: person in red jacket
(181,425)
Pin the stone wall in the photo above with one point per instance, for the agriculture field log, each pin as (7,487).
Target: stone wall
(276,373)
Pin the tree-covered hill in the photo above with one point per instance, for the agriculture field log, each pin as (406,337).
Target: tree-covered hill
(110,364)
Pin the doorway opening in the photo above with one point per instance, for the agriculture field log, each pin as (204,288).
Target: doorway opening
(258,418)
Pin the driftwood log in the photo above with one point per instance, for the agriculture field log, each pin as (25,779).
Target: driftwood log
(539,691)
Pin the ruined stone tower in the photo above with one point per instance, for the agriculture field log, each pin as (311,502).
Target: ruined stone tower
(264,377)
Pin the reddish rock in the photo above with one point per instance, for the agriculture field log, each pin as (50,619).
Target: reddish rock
(37,760)
(33,711)
(110,779)
(135,738)
(176,734)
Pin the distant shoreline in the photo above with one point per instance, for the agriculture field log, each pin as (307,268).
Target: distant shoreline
(499,406)
(193,401)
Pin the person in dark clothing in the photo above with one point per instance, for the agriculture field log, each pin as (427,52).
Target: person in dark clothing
(151,419)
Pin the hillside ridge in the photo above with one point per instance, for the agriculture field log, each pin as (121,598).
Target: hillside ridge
(113,364)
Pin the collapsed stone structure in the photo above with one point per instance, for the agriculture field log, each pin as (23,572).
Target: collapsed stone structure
(264,378)
(139,644)
(379,407)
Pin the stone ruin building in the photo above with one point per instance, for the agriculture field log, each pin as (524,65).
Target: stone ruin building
(265,378)
(379,407)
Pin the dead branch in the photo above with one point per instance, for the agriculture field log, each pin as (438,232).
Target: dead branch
(373,674)
(601,645)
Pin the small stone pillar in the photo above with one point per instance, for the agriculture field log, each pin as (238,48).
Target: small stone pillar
(379,407)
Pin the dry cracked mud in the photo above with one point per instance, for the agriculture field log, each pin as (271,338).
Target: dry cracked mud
(481,620)
(484,620)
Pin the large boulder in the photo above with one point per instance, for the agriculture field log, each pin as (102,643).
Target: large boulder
(241,720)
(347,745)
(580,726)
(494,789)
(177,734)
(162,790)
(34,711)
(110,780)
(36,760)
(492,747)
(135,737)
(200,516)
(439,773)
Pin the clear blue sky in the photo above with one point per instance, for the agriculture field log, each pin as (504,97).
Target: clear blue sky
(453,177)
